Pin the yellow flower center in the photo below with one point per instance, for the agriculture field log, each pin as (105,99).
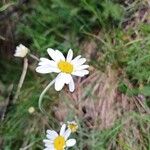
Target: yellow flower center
(59,143)
(73,127)
(65,67)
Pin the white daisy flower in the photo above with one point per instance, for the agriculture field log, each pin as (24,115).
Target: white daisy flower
(21,51)
(72,125)
(59,141)
(65,67)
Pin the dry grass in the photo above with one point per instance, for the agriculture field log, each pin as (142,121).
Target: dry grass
(103,105)
(99,104)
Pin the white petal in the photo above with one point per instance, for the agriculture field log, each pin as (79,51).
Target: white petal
(45,61)
(76,59)
(49,145)
(61,79)
(66,78)
(21,51)
(62,130)
(49,148)
(47,66)
(70,142)
(55,55)
(52,53)
(59,84)
(51,134)
(71,85)
(21,45)
(80,61)
(69,55)
(67,134)
(80,73)
(43,70)
(17,55)
(82,67)
(46,69)
(61,56)
(18,49)
(46,141)
(72,122)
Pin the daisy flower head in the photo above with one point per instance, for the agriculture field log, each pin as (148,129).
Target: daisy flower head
(21,51)
(72,125)
(31,110)
(65,67)
(59,141)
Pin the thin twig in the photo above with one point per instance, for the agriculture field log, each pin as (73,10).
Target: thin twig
(23,75)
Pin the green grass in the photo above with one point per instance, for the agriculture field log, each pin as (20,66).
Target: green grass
(62,24)
(65,24)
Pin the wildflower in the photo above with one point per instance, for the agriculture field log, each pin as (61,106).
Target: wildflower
(31,110)
(59,141)
(65,67)
(73,126)
(21,51)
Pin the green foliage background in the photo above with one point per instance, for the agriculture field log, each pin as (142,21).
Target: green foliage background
(65,24)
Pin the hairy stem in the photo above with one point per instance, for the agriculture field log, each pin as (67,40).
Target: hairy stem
(43,93)
(34,57)
(23,75)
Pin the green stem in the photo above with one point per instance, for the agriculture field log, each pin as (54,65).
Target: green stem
(34,57)
(43,93)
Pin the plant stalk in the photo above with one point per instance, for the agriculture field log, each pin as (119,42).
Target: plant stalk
(43,93)
(22,78)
